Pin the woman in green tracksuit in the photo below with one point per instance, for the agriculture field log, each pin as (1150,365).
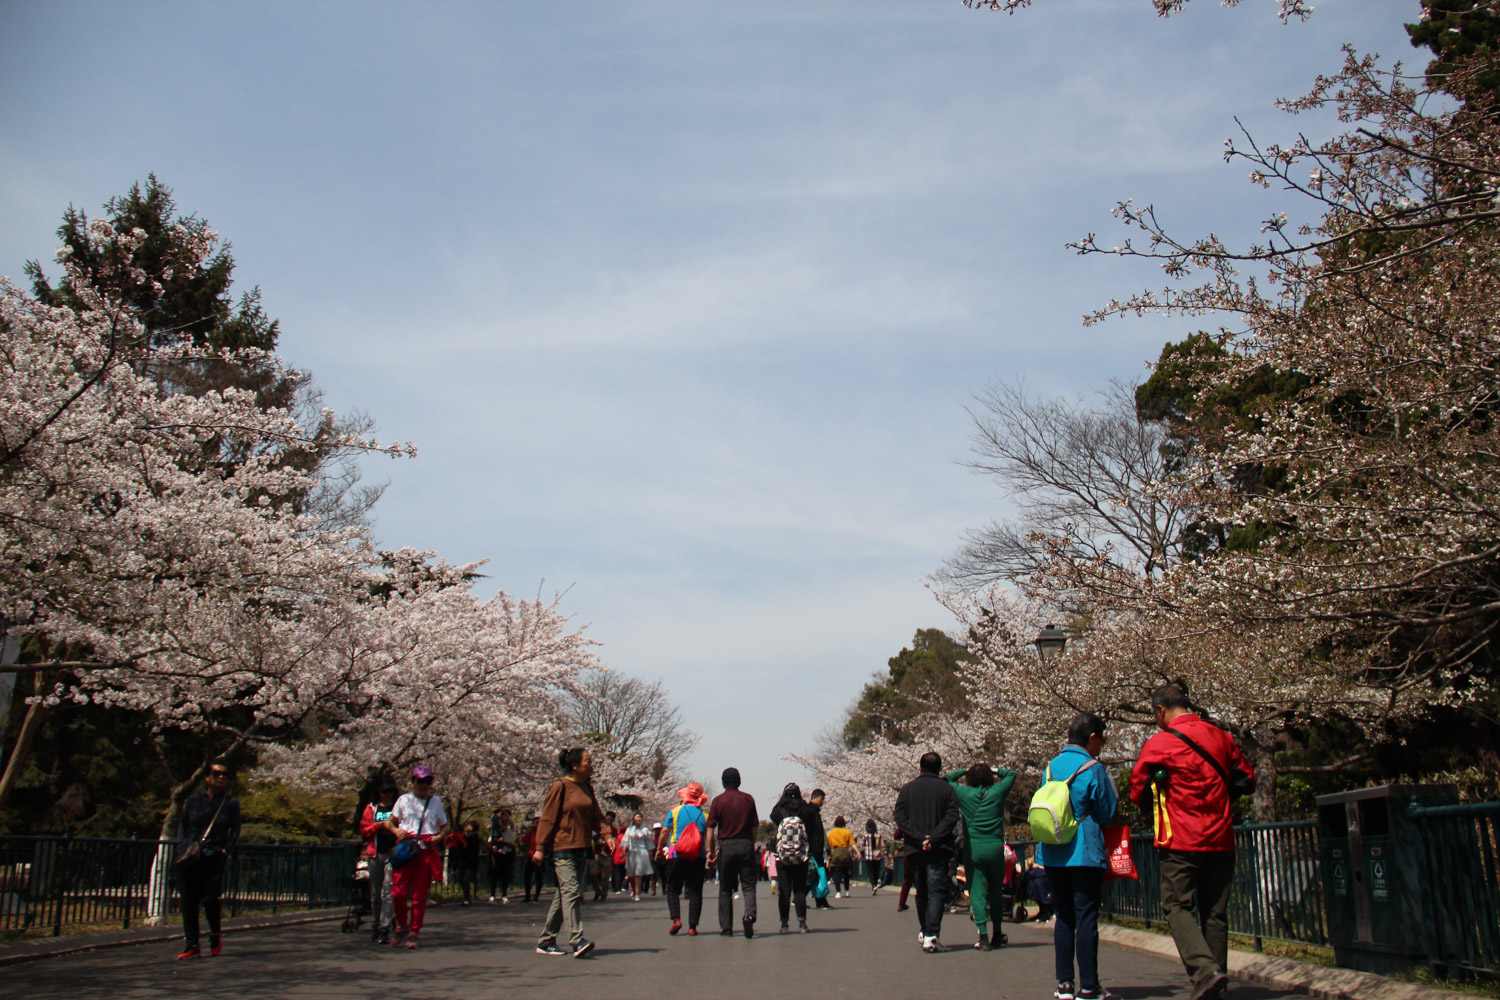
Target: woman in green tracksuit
(982,804)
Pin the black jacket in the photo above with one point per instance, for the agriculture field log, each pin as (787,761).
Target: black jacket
(199,812)
(927,807)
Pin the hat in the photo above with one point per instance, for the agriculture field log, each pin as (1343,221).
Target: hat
(656,826)
(693,794)
(421,773)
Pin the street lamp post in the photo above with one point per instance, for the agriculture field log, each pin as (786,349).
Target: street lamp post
(1050,641)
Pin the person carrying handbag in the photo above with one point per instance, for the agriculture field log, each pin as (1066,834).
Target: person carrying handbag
(208,830)
(418,819)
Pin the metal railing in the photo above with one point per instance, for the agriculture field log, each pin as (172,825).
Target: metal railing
(1462,848)
(1277,893)
(48,883)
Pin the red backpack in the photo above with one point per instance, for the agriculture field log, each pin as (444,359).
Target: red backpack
(689,842)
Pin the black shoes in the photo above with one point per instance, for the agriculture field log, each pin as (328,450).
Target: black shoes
(749,926)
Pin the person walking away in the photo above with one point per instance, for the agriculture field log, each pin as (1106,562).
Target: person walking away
(531,871)
(501,854)
(927,813)
(791,815)
(817,844)
(872,850)
(210,819)
(463,859)
(378,843)
(981,803)
(1185,771)
(640,843)
(732,820)
(842,853)
(565,830)
(419,815)
(682,842)
(1075,869)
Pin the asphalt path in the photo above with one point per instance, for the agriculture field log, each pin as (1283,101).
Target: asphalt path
(862,947)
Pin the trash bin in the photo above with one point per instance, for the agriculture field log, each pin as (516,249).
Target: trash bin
(1374,875)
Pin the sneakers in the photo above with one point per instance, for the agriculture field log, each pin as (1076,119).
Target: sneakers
(692,932)
(215,944)
(411,941)
(983,944)
(549,948)
(802,926)
(492,899)
(785,927)
(584,947)
(504,899)
(749,926)
(1064,991)
(1100,994)
(676,926)
(838,895)
(192,952)
(398,936)
(932,945)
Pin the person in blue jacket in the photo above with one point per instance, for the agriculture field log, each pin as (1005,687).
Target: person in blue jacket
(1075,870)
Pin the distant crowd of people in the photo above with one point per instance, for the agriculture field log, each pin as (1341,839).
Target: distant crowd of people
(949,832)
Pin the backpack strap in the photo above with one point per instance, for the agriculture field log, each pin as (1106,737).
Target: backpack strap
(1069,780)
(1223,773)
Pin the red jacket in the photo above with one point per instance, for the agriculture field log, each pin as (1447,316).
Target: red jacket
(1193,811)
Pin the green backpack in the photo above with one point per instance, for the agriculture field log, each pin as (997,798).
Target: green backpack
(1051,815)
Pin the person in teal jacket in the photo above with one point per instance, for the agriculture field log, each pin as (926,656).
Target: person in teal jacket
(982,804)
(1075,870)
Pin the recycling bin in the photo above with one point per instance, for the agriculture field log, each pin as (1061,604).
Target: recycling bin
(1375,883)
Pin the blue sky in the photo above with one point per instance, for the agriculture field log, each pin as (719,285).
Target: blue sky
(682,302)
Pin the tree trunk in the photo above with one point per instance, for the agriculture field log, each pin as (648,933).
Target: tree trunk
(1262,756)
(21,752)
(159,896)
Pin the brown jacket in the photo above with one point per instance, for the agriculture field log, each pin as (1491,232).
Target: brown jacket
(570,815)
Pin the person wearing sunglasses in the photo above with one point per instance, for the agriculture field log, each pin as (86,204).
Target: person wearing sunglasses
(418,815)
(211,820)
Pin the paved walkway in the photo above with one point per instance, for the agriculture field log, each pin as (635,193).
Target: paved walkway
(862,948)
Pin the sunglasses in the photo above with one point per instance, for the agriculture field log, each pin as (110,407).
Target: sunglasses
(218,774)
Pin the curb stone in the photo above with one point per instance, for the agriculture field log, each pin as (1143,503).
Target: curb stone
(1285,973)
(69,944)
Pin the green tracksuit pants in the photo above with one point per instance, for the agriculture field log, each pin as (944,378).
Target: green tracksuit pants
(984,861)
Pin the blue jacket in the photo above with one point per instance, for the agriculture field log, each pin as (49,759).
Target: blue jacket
(1094,804)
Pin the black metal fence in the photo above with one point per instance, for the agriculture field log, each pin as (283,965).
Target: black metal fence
(49,883)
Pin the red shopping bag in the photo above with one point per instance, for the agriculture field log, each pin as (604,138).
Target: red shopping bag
(1117,853)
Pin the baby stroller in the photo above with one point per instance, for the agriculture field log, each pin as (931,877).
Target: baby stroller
(359,896)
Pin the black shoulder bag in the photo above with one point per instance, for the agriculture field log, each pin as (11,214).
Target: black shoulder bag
(1237,781)
(191,853)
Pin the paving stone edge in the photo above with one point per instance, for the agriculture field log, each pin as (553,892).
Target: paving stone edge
(1287,974)
(70,944)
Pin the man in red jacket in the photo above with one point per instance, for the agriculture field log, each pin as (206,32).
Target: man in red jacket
(1184,770)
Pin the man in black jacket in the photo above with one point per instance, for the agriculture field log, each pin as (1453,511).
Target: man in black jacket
(927,813)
